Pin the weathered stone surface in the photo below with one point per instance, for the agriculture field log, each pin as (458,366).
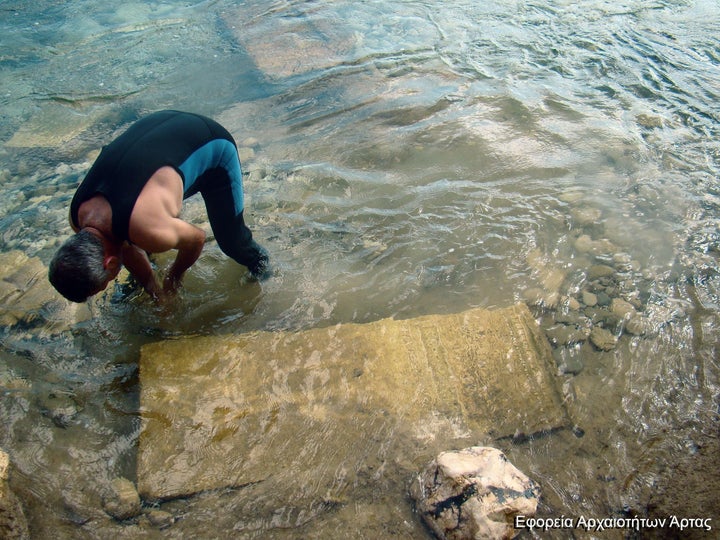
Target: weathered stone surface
(603,339)
(13,525)
(297,46)
(474,493)
(53,126)
(301,417)
(160,519)
(122,501)
(622,309)
(636,325)
(27,296)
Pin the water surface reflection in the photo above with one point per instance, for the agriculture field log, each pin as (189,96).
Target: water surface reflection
(401,158)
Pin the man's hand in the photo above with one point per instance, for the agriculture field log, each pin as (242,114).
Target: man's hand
(138,264)
(190,242)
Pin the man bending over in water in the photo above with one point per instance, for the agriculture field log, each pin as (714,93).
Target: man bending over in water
(129,204)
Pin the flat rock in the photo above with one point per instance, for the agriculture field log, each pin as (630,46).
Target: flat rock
(294,47)
(53,126)
(302,418)
(599,271)
(27,296)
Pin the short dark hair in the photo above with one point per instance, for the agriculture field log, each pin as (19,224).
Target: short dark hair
(77,270)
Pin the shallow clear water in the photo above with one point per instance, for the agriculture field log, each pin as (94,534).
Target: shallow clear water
(407,158)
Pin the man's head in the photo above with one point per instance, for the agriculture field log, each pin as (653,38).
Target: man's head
(81,267)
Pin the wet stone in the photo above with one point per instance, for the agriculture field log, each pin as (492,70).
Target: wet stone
(637,326)
(572,304)
(603,339)
(589,299)
(622,309)
(225,411)
(473,493)
(585,216)
(603,299)
(13,524)
(60,408)
(122,502)
(569,360)
(565,335)
(584,243)
(160,519)
(572,318)
(600,271)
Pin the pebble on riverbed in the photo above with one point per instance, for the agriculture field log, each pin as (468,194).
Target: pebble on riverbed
(605,306)
(122,500)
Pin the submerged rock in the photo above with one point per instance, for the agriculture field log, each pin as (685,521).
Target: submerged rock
(474,493)
(298,419)
(122,502)
(298,46)
(160,519)
(603,339)
(622,309)
(54,126)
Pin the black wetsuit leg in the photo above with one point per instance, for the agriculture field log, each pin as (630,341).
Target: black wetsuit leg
(232,235)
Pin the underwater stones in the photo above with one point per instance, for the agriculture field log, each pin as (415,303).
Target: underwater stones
(589,299)
(160,519)
(622,309)
(598,271)
(122,501)
(53,126)
(569,359)
(224,411)
(473,493)
(29,300)
(584,216)
(609,302)
(562,334)
(603,339)
(550,278)
(13,524)
(637,326)
(585,244)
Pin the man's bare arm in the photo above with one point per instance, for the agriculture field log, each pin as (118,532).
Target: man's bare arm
(138,264)
(189,245)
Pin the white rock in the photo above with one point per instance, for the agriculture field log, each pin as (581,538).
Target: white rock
(474,493)
(603,339)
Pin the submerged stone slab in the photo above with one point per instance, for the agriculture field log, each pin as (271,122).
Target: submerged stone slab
(292,45)
(310,414)
(28,299)
(52,127)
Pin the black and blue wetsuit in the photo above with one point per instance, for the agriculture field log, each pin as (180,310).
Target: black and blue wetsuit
(201,151)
